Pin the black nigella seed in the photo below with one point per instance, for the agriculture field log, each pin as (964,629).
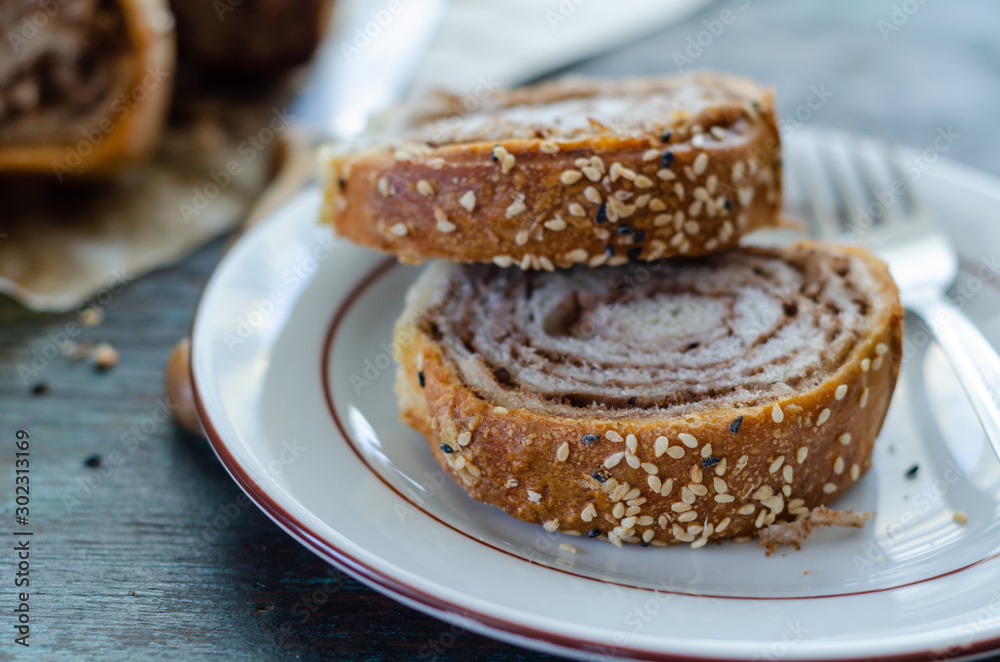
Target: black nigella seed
(667,159)
(593,533)
(710,461)
(734,427)
(591,438)
(728,204)
(599,476)
(624,229)
(912,471)
(40,389)
(493,153)
(643,543)
(633,253)
(632,400)
(602,213)
(502,375)
(609,250)
(93,461)
(640,235)
(447,449)
(423,381)
(342,182)
(666,137)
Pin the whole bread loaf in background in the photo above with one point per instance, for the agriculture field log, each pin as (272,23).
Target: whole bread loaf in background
(566,172)
(678,401)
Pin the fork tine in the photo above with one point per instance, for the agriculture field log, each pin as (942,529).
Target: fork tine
(818,199)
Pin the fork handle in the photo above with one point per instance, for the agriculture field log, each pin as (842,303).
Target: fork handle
(974,360)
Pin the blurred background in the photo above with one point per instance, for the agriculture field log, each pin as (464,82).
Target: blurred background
(145,546)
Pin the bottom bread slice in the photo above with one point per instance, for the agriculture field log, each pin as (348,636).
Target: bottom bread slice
(678,401)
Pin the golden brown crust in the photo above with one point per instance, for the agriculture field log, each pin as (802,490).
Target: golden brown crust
(596,197)
(786,457)
(129,131)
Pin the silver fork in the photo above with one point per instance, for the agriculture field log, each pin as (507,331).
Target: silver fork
(856,192)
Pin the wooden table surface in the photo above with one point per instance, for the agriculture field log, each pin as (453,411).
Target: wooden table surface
(144,547)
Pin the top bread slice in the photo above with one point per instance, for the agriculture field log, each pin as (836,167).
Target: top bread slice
(565,172)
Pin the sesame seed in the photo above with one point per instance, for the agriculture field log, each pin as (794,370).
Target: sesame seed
(650,154)
(666,175)
(576,209)
(631,442)
(570,176)
(611,435)
(679,190)
(654,483)
(698,140)
(516,207)
(521,238)
(689,516)
(676,452)
(840,392)
(642,181)
(548,147)
(787,473)
(877,363)
(631,460)
(661,445)
(436,163)
(468,200)
(800,457)
(399,229)
(845,438)
(776,414)
(699,543)
(742,462)
(724,498)
(838,466)
(424,188)
(775,503)
(551,525)
(507,163)
(700,164)
(776,464)
(718,132)
(592,195)
(443,224)
(614,539)
(459,463)
(667,488)
(763,492)
(629,522)
(618,511)
(503,261)
(566,547)
(855,471)
(865,364)
(695,208)
(761,516)
(747,509)
(688,440)
(648,534)
(960,517)
(556,225)
(498,153)
(464,438)
(720,485)
(823,416)
(613,460)
(632,494)
(577,255)
(500,410)
(383,186)
(864,398)
(829,488)
(627,173)
(511,482)
(687,496)
(698,489)
(563,453)
(881,348)
(786,490)
(661,220)
(588,513)
(592,173)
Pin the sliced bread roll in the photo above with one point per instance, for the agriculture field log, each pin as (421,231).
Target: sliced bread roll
(680,401)
(87,86)
(567,172)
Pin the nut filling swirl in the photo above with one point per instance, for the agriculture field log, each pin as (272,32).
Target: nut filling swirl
(667,338)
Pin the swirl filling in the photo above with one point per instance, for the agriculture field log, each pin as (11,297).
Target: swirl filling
(678,336)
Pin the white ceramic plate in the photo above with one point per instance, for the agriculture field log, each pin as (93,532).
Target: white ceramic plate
(293,375)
